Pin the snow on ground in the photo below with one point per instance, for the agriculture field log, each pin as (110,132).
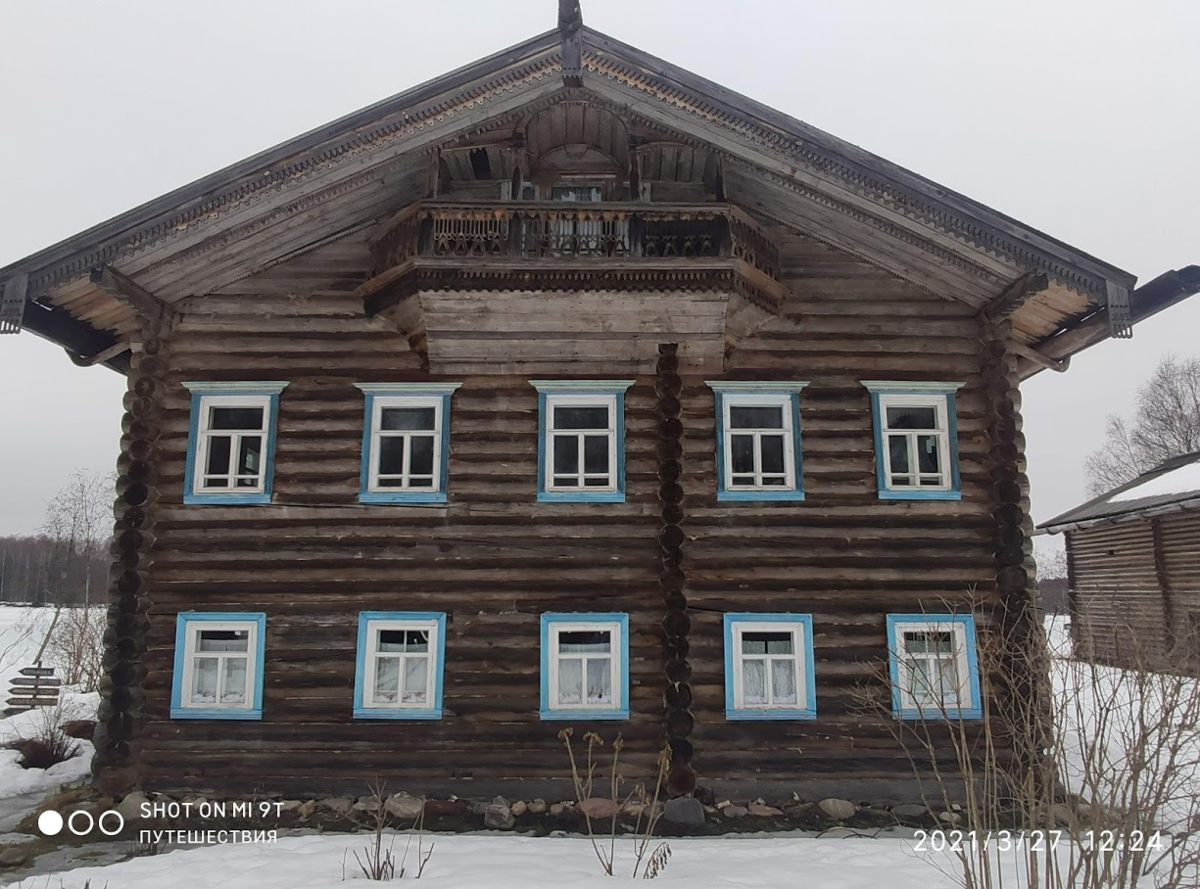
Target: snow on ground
(22,631)
(516,862)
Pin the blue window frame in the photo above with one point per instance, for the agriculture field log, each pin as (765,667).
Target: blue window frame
(769,667)
(406,442)
(585,666)
(758,440)
(934,666)
(581,440)
(916,440)
(231,442)
(218,665)
(400,664)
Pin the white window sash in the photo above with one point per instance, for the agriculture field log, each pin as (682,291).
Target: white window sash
(796,657)
(552,434)
(373,655)
(192,653)
(784,402)
(615,657)
(205,435)
(961,666)
(941,433)
(381,402)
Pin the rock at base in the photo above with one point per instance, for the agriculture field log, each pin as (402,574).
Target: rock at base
(838,809)
(686,811)
(598,807)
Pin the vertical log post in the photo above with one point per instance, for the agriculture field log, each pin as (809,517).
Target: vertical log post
(677,694)
(1025,668)
(114,768)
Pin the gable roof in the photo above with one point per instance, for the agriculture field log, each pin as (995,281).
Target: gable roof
(1171,486)
(338,179)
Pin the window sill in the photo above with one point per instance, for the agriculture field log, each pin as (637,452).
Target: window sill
(582,497)
(584,714)
(777,715)
(885,494)
(225,499)
(383,497)
(795,496)
(196,713)
(397,713)
(938,715)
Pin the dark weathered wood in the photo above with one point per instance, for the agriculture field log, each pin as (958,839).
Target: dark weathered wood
(130,292)
(12,303)
(1015,295)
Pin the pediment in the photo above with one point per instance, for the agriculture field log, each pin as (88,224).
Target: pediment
(653,132)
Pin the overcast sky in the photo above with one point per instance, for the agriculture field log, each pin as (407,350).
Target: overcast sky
(1080,118)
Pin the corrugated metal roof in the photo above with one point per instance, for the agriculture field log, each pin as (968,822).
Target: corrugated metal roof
(1106,508)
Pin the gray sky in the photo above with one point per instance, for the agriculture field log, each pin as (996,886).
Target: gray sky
(1079,117)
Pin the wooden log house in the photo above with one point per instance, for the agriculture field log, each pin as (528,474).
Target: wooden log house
(569,388)
(1133,570)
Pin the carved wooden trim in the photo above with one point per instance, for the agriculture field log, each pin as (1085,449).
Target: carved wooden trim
(677,694)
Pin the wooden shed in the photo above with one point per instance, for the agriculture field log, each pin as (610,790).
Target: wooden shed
(569,388)
(1133,569)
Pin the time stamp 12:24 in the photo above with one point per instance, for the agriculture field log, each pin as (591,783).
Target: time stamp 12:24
(1035,840)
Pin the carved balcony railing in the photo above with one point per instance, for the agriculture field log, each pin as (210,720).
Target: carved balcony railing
(536,234)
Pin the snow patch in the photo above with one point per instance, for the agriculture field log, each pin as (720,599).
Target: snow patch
(1180,480)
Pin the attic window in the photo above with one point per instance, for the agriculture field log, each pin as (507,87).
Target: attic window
(481,165)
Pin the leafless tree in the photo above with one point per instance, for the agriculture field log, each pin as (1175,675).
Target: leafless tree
(78,523)
(1166,424)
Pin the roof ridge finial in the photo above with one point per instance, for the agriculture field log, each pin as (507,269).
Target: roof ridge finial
(570,26)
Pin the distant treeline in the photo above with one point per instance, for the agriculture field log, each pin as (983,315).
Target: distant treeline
(43,571)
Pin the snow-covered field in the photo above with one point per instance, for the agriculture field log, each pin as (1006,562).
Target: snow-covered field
(837,860)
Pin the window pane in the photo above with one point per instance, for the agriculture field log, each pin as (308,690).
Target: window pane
(218,454)
(743,453)
(421,460)
(575,193)
(595,453)
(415,673)
(420,482)
(391,455)
(927,453)
(236,418)
(249,455)
(783,681)
(772,453)
(912,418)
(234,689)
(766,643)
(223,640)
(581,418)
(599,678)
(392,418)
(570,681)
(387,680)
(566,453)
(597,482)
(204,680)
(754,682)
(593,641)
(755,417)
(929,642)
(391,640)
(898,453)
(416,640)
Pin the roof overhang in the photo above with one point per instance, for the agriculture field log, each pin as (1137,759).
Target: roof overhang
(358,171)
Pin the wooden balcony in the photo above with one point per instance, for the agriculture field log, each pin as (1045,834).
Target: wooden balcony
(605,278)
(614,235)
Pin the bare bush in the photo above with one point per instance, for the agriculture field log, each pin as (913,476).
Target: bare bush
(640,799)
(379,863)
(1097,771)
(47,744)
(76,647)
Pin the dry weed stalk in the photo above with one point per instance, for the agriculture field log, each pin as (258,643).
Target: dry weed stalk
(642,836)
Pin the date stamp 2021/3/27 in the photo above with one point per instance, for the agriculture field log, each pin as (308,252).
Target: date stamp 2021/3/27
(1036,840)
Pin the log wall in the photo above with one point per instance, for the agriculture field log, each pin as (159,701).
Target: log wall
(494,559)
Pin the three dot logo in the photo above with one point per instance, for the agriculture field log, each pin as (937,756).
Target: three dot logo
(81,822)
